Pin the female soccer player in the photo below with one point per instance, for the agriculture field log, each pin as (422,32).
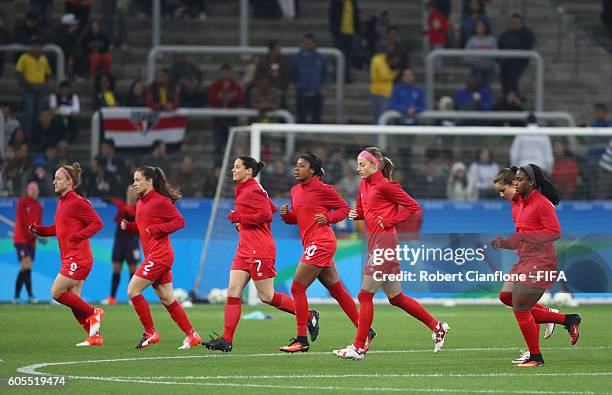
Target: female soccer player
(537,227)
(256,252)
(311,202)
(156,218)
(125,245)
(28,212)
(75,222)
(504,184)
(378,203)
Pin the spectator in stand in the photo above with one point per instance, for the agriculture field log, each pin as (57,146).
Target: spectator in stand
(334,167)
(482,172)
(344,23)
(437,26)
(565,171)
(189,180)
(114,166)
(96,182)
(48,130)
(10,122)
(446,103)
(104,86)
(483,69)
(66,108)
(276,67)
(95,47)
(136,96)
(39,175)
(44,9)
(68,39)
(470,21)
(4,39)
(189,78)
(375,30)
(533,148)
(279,182)
(604,177)
(601,116)
(397,51)
(265,96)
(348,186)
(308,69)
(249,77)
(163,94)
(32,73)
(81,9)
(18,138)
(48,158)
(15,169)
(460,185)
(63,154)
(407,98)
(518,37)
(473,97)
(382,75)
(432,176)
(158,157)
(224,93)
(28,29)
(510,102)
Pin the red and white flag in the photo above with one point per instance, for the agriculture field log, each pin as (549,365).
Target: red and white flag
(136,127)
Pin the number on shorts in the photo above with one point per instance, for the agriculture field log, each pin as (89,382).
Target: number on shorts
(73,267)
(258,261)
(148,267)
(310,251)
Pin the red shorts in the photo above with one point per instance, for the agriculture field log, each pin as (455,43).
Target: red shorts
(538,275)
(319,254)
(382,257)
(259,269)
(75,271)
(156,272)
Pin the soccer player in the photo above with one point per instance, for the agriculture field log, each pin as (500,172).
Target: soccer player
(256,252)
(75,222)
(314,206)
(504,183)
(28,212)
(156,218)
(537,227)
(125,245)
(378,203)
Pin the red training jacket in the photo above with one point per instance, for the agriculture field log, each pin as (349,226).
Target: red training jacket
(537,227)
(156,218)
(254,212)
(123,210)
(309,199)
(28,212)
(75,222)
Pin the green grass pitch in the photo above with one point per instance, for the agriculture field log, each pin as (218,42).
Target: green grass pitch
(476,358)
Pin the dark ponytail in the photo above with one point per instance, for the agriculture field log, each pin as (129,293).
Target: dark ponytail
(160,183)
(387,164)
(541,183)
(506,175)
(253,164)
(315,164)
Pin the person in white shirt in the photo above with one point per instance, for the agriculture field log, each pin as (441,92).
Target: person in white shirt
(533,148)
(482,172)
(66,107)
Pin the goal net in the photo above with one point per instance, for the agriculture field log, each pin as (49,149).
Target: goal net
(449,171)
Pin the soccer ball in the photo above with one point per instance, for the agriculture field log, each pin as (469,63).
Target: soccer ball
(563,299)
(180,295)
(546,299)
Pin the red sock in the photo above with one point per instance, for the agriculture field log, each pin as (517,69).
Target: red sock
(78,305)
(233,309)
(366,316)
(545,316)
(346,302)
(283,302)
(178,315)
(301,307)
(82,321)
(415,309)
(506,298)
(529,329)
(144,313)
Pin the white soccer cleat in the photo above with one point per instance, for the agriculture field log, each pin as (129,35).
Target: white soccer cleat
(92,341)
(439,335)
(550,326)
(350,352)
(523,358)
(94,321)
(191,341)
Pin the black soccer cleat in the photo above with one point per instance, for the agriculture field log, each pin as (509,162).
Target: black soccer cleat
(572,324)
(313,325)
(218,343)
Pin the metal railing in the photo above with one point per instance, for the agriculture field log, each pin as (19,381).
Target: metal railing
(499,53)
(232,50)
(200,113)
(60,59)
(390,115)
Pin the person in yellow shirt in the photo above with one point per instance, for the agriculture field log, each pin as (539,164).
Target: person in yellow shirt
(344,24)
(382,75)
(32,73)
(104,85)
